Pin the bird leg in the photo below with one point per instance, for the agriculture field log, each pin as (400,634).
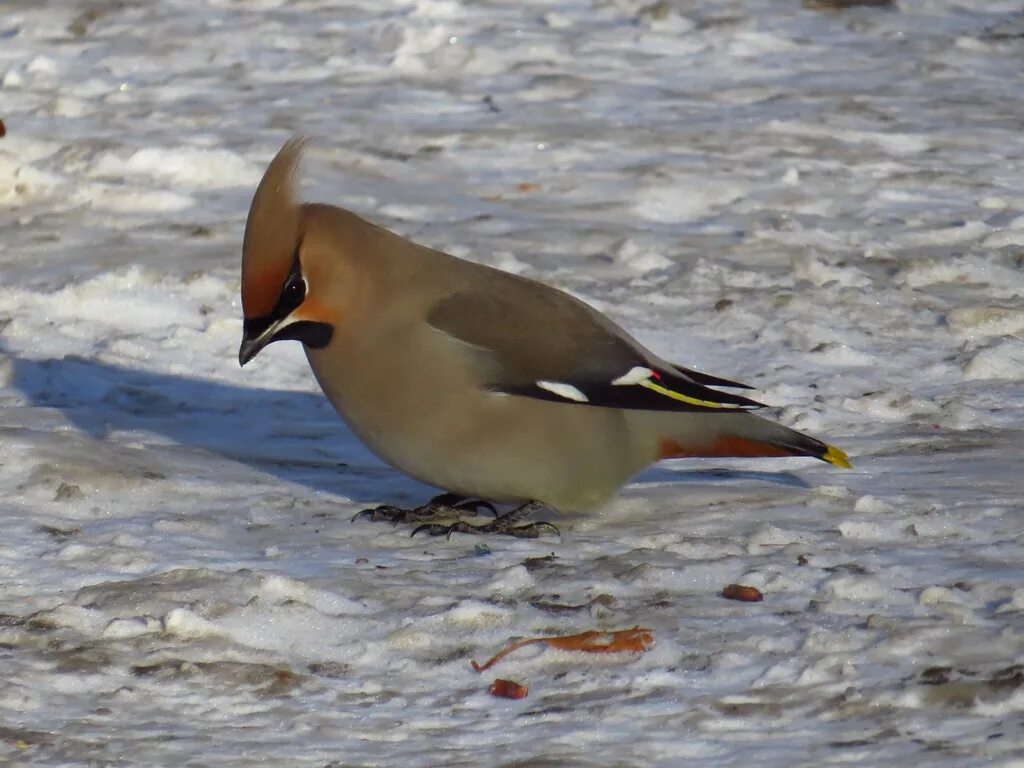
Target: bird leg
(447,507)
(504,525)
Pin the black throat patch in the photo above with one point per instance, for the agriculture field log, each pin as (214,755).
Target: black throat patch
(311,333)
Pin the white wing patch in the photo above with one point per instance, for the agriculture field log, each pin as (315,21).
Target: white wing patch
(633,376)
(568,391)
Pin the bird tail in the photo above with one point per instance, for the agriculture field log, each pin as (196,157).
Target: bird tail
(745,435)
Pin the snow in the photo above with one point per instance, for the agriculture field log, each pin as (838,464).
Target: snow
(827,205)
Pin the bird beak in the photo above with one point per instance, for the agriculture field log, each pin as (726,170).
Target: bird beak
(256,334)
(259,332)
(248,350)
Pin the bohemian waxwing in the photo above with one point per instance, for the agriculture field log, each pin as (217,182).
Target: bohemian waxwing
(486,384)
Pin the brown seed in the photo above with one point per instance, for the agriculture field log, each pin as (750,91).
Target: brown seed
(508,689)
(3,129)
(742,593)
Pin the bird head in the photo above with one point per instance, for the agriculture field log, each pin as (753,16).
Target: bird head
(276,300)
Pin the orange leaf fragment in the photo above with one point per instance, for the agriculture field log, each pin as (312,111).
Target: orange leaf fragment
(635,640)
(528,186)
(742,593)
(508,689)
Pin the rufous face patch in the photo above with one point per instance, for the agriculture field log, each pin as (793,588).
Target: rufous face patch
(262,288)
(315,311)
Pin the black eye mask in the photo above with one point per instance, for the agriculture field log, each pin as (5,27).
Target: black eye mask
(292,295)
(310,332)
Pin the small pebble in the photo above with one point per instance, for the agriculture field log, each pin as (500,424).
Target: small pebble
(508,689)
(742,593)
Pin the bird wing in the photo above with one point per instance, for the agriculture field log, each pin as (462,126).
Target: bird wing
(709,380)
(535,341)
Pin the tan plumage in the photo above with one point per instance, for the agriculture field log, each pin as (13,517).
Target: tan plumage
(479,382)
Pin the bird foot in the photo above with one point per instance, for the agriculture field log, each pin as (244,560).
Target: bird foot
(442,516)
(503,525)
(446,508)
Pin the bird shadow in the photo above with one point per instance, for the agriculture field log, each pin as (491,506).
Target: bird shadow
(674,475)
(295,436)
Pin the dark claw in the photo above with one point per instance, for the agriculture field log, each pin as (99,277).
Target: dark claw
(434,529)
(393,515)
(545,526)
(532,530)
(475,505)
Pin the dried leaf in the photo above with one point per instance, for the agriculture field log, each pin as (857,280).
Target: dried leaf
(635,640)
(528,186)
(743,593)
(508,689)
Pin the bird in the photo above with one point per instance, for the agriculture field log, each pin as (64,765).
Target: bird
(492,387)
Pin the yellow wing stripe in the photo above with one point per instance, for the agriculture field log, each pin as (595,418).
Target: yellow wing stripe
(655,387)
(835,456)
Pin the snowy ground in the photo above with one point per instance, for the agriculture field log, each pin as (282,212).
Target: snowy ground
(829,205)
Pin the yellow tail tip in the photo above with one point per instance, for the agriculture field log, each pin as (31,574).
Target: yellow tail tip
(835,456)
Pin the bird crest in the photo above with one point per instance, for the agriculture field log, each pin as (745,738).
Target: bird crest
(271,232)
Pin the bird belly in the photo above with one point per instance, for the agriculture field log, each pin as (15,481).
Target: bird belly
(499,447)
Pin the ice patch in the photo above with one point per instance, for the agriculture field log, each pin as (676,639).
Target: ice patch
(642,258)
(872,531)
(835,492)
(952,604)
(862,588)
(21,183)
(42,65)
(419,50)
(752,44)
(872,504)
(708,274)
(688,200)
(136,626)
(281,588)
(886,405)
(185,166)
(1004,238)
(891,142)
(187,624)
(511,581)
(984,322)
(1002,360)
(771,537)
(126,200)
(967,270)
(966,232)
(84,620)
(820,272)
(438,9)
(476,614)
(832,353)
(107,299)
